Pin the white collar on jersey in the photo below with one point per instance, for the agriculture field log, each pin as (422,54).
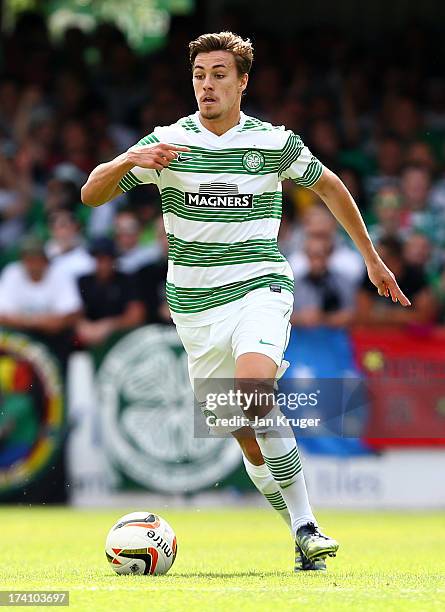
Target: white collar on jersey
(224,137)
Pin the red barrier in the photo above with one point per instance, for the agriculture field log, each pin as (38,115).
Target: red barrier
(406,373)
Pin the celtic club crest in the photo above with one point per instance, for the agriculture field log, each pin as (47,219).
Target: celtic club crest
(253,161)
(147,409)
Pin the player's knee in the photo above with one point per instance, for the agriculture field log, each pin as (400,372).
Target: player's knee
(255,366)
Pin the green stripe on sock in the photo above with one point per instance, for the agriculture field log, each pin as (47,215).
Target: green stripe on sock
(284,467)
(282,457)
(276,500)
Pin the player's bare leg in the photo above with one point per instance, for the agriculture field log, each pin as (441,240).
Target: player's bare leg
(254,375)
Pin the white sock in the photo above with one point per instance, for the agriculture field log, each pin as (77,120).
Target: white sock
(263,480)
(280,452)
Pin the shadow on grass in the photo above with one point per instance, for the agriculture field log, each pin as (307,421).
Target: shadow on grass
(219,575)
(208,575)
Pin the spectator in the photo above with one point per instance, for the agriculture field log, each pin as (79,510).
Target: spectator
(63,189)
(387,208)
(415,186)
(76,147)
(324,142)
(319,223)
(352,179)
(404,118)
(38,299)
(419,154)
(372,309)
(9,97)
(110,301)
(438,197)
(435,112)
(389,164)
(14,198)
(322,297)
(65,248)
(127,232)
(419,216)
(151,282)
(417,251)
(35,296)
(36,146)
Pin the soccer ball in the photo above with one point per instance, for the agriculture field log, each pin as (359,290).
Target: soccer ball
(141,543)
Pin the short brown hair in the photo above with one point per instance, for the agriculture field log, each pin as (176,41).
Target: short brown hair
(224,41)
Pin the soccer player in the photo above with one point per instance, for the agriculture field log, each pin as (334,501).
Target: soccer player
(229,289)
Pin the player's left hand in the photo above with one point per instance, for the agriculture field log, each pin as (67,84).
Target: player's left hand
(385,281)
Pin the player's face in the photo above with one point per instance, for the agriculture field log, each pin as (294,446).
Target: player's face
(218,87)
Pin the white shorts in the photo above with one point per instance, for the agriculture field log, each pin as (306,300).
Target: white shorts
(257,323)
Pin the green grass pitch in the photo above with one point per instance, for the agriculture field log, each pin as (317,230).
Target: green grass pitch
(230,559)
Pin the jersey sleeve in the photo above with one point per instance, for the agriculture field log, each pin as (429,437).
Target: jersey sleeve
(298,163)
(140,176)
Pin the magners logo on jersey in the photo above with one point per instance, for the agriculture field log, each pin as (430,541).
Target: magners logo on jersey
(219,195)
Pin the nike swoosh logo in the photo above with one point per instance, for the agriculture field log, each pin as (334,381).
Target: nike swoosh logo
(284,486)
(182,158)
(268,343)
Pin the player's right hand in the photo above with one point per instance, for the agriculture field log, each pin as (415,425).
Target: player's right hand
(385,281)
(155,156)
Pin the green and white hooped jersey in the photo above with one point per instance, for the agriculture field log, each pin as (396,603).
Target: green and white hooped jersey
(221,204)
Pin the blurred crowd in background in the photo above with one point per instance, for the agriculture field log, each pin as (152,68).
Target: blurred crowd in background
(373,114)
